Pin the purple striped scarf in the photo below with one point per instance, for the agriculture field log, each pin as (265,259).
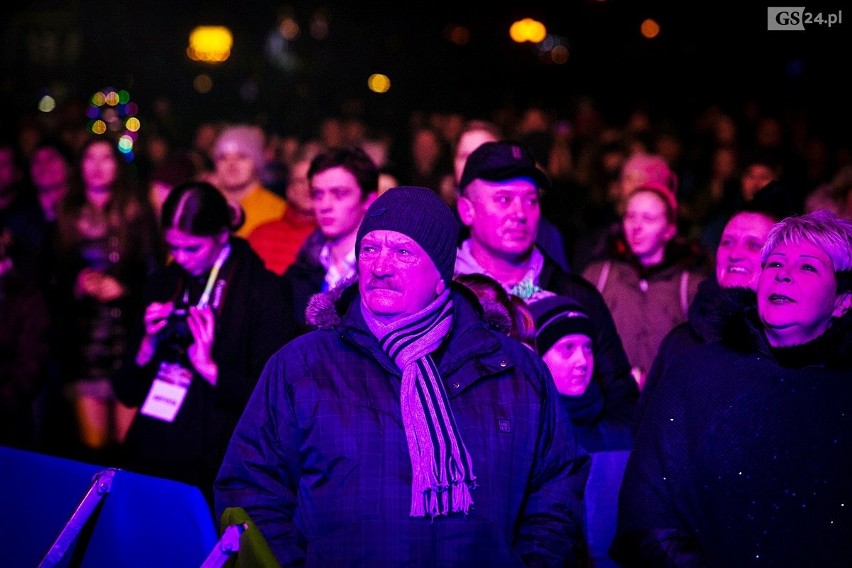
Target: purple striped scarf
(441,466)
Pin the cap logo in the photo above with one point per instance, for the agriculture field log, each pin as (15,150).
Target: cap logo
(378,211)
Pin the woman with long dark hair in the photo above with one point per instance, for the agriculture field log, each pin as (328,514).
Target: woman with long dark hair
(107,247)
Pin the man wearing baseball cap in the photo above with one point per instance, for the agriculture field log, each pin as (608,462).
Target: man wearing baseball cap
(500,203)
(404,430)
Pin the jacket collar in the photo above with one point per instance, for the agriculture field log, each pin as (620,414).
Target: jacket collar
(741,330)
(472,350)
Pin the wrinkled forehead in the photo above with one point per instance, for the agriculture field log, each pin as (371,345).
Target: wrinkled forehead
(389,238)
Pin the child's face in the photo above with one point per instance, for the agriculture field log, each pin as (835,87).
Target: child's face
(571,362)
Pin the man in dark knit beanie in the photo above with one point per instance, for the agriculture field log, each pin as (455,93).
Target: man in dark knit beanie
(414,211)
(403,429)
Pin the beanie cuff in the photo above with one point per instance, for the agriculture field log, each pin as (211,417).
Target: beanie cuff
(557,324)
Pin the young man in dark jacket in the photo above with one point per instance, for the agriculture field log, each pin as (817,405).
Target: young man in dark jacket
(344,182)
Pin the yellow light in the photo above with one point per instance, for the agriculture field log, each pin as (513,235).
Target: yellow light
(527,30)
(132,124)
(211,44)
(516,32)
(99,127)
(379,83)
(536,32)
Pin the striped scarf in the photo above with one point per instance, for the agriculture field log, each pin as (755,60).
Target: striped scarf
(441,467)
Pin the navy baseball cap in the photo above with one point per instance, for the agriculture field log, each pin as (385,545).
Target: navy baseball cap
(497,161)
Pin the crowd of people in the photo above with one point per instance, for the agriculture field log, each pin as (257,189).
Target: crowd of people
(512,342)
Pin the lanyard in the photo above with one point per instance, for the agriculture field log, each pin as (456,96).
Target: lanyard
(214,273)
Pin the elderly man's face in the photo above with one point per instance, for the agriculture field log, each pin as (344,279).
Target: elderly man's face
(503,216)
(797,294)
(395,275)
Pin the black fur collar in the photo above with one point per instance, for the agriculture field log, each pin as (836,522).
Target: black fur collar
(742,331)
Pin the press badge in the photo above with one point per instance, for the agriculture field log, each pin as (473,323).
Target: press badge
(167,393)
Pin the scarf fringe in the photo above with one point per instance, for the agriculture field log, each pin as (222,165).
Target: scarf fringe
(435,502)
(442,471)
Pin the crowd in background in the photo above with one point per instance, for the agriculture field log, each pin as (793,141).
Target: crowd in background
(639,209)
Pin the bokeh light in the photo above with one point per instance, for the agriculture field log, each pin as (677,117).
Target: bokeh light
(210,44)
(202,83)
(559,54)
(47,104)
(289,28)
(379,83)
(527,29)
(113,114)
(650,28)
(457,34)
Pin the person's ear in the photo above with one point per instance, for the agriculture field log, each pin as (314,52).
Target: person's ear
(466,210)
(842,304)
(671,231)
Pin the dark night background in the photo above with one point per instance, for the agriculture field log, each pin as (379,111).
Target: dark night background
(707,52)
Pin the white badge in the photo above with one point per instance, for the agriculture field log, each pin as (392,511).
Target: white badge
(167,393)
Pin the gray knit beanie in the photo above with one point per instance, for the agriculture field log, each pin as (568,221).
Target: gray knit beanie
(419,213)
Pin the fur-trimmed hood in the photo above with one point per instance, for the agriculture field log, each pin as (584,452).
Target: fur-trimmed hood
(326,309)
(713,306)
(741,330)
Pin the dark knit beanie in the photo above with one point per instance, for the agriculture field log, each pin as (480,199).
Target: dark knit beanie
(419,213)
(556,317)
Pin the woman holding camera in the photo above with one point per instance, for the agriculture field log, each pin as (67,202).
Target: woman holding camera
(214,316)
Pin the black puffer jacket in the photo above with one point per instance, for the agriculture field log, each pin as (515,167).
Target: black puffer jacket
(744,455)
(708,311)
(303,279)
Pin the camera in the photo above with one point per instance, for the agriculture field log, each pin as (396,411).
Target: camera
(176,336)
